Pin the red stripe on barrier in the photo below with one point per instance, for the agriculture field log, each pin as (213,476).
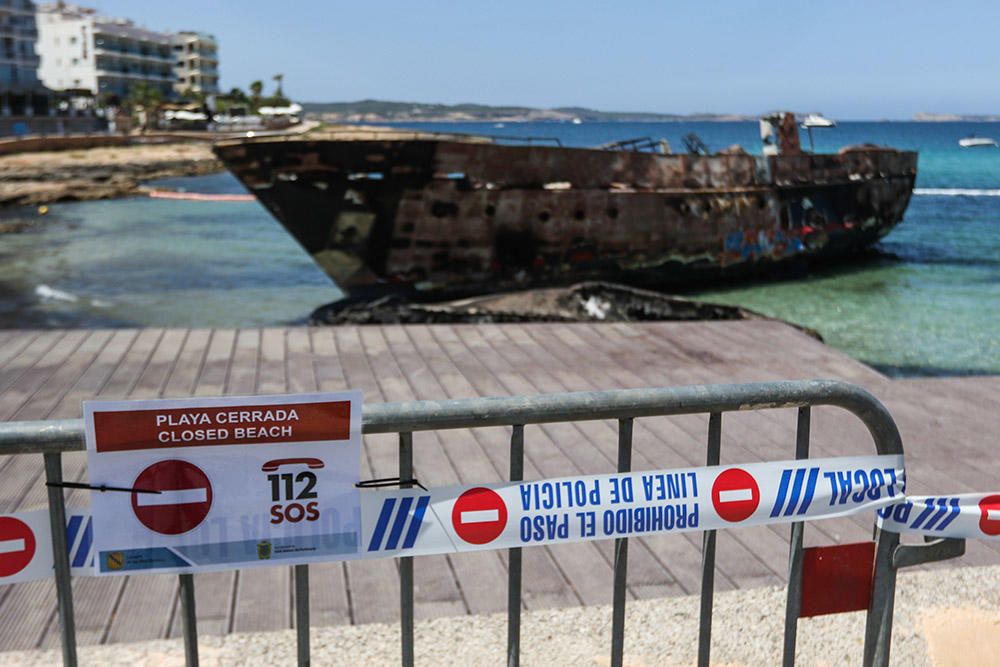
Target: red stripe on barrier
(837,579)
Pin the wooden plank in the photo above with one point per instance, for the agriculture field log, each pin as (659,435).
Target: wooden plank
(440,594)
(329,603)
(214,591)
(188,365)
(99,596)
(146,606)
(543,584)
(481,577)
(373,585)
(32,377)
(586,566)
(263,594)
(664,446)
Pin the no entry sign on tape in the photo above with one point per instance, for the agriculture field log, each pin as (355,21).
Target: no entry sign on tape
(496,516)
(218,483)
(26,545)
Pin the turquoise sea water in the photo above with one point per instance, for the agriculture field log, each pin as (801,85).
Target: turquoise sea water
(927,303)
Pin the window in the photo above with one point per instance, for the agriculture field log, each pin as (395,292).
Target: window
(72,40)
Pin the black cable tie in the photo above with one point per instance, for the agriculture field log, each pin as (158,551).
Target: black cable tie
(102,488)
(388,481)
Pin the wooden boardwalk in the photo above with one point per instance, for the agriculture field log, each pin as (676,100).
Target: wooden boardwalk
(949,428)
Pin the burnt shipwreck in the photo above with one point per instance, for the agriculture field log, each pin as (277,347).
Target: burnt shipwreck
(438,216)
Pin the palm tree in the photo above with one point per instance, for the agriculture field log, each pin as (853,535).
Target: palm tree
(146,99)
(256,88)
(279,78)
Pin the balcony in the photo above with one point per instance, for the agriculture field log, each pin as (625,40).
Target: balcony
(132,73)
(19,33)
(110,49)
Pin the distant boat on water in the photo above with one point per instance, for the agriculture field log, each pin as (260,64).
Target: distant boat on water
(977,142)
(816,120)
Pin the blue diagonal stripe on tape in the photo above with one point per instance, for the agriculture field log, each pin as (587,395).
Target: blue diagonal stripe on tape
(954,511)
(380,526)
(800,475)
(942,505)
(72,528)
(82,556)
(397,526)
(923,515)
(782,491)
(418,517)
(810,490)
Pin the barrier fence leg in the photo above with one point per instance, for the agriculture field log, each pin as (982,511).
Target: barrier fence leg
(514,558)
(708,554)
(793,603)
(406,564)
(302,614)
(621,554)
(60,553)
(189,620)
(878,625)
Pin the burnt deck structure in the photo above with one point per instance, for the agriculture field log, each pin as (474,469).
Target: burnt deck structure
(948,428)
(436,216)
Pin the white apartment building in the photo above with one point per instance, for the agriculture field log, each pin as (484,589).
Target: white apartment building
(21,93)
(196,62)
(81,50)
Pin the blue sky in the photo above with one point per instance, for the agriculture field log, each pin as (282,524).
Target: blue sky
(846,58)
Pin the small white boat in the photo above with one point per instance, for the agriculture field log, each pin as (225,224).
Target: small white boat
(816,120)
(577,121)
(977,142)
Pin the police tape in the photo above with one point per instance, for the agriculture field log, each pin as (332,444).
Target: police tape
(574,509)
(968,515)
(415,522)
(26,545)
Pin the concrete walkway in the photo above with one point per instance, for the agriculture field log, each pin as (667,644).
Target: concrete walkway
(943,618)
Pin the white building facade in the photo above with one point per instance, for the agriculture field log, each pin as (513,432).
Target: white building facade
(196,63)
(83,51)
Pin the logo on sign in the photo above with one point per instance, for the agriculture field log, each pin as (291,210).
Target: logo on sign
(116,560)
(17,545)
(393,523)
(479,515)
(182,498)
(735,495)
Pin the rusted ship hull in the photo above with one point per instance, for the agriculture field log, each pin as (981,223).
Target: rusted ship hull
(439,217)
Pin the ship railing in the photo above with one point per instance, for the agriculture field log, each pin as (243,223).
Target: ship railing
(53,438)
(637,144)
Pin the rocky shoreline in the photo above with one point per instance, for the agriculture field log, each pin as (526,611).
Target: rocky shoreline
(37,178)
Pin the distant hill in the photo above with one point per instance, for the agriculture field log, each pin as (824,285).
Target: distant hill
(384,111)
(925,117)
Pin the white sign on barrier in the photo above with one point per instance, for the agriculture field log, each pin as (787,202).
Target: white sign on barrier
(220,483)
(499,516)
(26,545)
(968,515)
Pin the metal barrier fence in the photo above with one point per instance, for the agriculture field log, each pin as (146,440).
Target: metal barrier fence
(51,438)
